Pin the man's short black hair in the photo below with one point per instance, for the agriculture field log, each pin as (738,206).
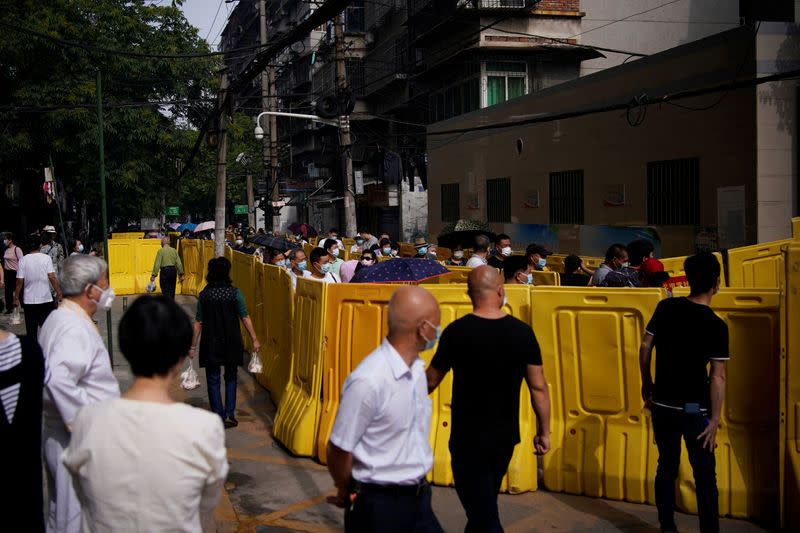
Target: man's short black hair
(481,245)
(385,242)
(329,243)
(638,250)
(571,264)
(702,272)
(155,334)
(514,265)
(317,254)
(615,251)
(333,230)
(501,237)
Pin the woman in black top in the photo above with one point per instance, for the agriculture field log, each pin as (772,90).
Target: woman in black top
(21,383)
(220,306)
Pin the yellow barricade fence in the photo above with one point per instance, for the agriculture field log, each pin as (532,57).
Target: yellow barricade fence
(243,276)
(297,419)
(791,448)
(555,262)
(796,228)
(355,324)
(190,257)
(758,266)
(546,279)
(674,267)
(590,348)
(128,235)
(121,265)
(276,349)
(748,458)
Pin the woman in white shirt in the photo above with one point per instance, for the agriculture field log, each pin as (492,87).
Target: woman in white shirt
(144,462)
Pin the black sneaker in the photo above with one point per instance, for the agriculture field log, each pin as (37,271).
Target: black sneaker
(230,423)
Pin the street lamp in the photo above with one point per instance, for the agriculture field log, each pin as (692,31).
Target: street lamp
(259,131)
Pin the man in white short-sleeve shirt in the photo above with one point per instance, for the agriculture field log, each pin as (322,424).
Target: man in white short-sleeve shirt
(379,452)
(37,274)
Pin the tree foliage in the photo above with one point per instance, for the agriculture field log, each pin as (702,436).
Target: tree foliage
(48,99)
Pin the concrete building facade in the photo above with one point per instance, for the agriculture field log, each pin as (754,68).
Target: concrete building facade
(724,162)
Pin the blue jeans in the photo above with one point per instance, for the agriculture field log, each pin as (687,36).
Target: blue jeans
(670,426)
(214,397)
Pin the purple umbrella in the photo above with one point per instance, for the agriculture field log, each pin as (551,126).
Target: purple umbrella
(400,270)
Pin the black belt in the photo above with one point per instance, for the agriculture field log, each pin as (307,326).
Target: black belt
(397,490)
(172,267)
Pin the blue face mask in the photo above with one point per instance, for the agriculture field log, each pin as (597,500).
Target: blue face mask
(422,251)
(387,251)
(429,344)
(542,262)
(281,263)
(530,279)
(325,268)
(302,265)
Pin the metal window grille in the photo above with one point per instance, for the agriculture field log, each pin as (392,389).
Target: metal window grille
(450,202)
(566,197)
(673,192)
(498,200)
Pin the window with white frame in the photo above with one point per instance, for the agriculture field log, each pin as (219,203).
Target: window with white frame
(503,80)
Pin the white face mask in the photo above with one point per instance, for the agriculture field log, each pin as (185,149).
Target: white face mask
(239,242)
(458,254)
(506,251)
(106,297)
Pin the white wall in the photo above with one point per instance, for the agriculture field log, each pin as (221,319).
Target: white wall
(655,31)
(778,49)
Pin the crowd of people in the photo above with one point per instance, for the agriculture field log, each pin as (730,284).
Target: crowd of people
(141,458)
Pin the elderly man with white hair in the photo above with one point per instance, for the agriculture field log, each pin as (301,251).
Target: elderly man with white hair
(77,373)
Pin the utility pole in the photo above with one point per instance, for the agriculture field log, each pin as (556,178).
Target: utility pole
(222,154)
(269,103)
(103,211)
(344,132)
(251,213)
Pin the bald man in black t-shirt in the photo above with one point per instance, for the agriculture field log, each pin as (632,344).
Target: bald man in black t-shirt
(686,402)
(490,353)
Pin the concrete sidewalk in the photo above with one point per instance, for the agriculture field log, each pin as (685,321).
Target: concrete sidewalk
(269,490)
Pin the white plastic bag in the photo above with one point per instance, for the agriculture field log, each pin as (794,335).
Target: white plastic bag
(255,363)
(151,287)
(189,379)
(16,320)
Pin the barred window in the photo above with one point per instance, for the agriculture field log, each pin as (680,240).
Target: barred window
(450,202)
(566,197)
(673,192)
(498,200)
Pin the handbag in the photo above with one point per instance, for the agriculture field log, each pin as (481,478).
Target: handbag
(255,364)
(189,379)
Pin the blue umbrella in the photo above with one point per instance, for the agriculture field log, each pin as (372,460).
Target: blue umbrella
(400,270)
(188,226)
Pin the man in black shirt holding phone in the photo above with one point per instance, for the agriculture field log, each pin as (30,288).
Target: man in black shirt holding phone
(685,401)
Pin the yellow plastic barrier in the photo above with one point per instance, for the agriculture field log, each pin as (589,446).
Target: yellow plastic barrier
(796,228)
(748,462)
(555,262)
(297,419)
(757,266)
(243,276)
(590,348)
(122,265)
(355,324)
(190,257)
(546,279)
(276,347)
(146,251)
(128,236)
(790,447)
(674,267)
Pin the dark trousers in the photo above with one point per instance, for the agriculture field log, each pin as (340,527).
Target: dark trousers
(35,315)
(10,279)
(669,426)
(392,509)
(478,476)
(168,276)
(214,396)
